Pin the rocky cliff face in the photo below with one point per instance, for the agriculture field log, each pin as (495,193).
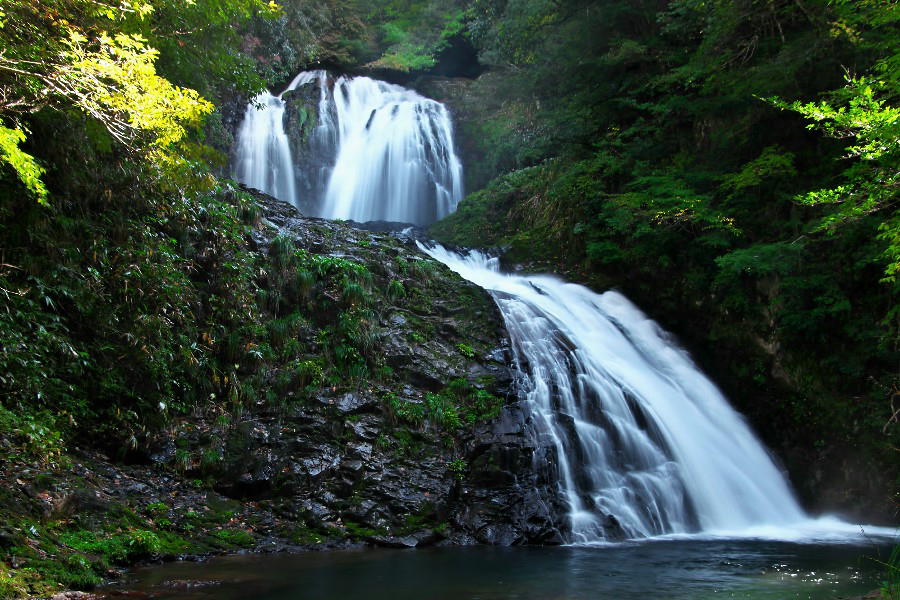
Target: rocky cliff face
(368,457)
(379,462)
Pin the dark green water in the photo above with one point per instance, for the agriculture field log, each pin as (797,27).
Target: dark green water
(691,569)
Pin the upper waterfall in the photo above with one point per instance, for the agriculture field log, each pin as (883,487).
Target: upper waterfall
(388,152)
(645,443)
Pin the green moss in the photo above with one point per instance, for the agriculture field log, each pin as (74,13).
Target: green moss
(118,548)
(304,536)
(75,571)
(55,556)
(172,544)
(12,583)
(234,538)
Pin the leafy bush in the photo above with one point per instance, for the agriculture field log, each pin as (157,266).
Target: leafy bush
(458,404)
(466,350)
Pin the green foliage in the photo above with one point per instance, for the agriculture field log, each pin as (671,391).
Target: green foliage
(183,459)
(24,165)
(771,167)
(114,79)
(38,435)
(103,59)
(330,296)
(411,33)
(861,111)
(309,373)
(405,411)
(121,548)
(779,258)
(105,321)
(353,293)
(135,294)
(442,411)
(466,350)
(457,405)
(479,219)
(156,508)
(458,467)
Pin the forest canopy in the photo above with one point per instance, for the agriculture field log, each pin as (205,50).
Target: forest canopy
(101,58)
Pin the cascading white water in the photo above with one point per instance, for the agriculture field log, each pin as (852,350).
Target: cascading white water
(646,444)
(394,155)
(395,158)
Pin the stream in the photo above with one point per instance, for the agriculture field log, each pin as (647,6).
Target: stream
(674,569)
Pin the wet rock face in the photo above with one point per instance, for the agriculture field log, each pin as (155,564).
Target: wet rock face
(509,496)
(354,461)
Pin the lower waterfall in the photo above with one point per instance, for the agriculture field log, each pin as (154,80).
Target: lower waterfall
(646,445)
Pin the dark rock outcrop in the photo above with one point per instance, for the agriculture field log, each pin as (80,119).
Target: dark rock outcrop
(313,149)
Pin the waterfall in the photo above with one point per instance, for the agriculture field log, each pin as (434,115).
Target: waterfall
(391,151)
(646,445)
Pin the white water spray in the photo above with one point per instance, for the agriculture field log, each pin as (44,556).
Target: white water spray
(646,444)
(396,160)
